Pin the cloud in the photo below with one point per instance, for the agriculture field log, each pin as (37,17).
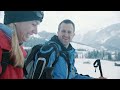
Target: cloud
(117,13)
(1,16)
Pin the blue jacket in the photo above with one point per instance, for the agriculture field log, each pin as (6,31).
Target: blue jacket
(61,69)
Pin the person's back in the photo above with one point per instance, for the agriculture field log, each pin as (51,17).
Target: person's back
(18,26)
(10,72)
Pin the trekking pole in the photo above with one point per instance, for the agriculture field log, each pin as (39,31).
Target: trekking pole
(96,64)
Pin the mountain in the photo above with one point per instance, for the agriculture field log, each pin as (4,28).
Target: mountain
(39,38)
(81,46)
(106,38)
(77,37)
(44,36)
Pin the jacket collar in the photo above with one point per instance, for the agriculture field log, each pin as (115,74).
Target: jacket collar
(55,39)
(7,30)
(5,37)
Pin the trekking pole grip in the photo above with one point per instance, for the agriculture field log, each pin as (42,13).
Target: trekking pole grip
(96,64)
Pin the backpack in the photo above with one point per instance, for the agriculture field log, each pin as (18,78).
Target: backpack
(35,66)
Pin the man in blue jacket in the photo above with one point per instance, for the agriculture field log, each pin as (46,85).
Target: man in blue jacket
(64,67)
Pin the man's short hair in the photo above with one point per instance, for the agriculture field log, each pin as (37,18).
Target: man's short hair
(66,21)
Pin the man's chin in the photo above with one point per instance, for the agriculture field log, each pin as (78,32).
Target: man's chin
(66,44)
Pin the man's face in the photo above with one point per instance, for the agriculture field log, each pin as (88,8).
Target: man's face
(25,29)
(66,33)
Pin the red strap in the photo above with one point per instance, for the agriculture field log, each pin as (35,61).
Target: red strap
(0,59)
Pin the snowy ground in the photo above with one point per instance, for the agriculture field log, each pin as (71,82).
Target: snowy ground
(109,70)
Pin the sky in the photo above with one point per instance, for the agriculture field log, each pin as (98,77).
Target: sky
(1,16)
(84,20)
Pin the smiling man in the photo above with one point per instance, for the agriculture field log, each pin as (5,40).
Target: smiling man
(62,60)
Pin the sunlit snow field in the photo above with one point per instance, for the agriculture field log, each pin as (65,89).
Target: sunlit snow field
(85,66)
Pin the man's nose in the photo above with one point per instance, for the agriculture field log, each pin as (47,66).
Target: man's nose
(66,34)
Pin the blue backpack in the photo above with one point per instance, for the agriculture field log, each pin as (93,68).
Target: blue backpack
(35,66)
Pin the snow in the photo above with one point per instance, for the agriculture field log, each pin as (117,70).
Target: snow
(109,70)
(104,40)
(80,46)
(26,47)
(36,36)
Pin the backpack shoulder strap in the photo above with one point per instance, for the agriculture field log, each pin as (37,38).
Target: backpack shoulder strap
(65,55)
(5,60)
(57,55)
(57,50)
(31,56)
(47,49)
